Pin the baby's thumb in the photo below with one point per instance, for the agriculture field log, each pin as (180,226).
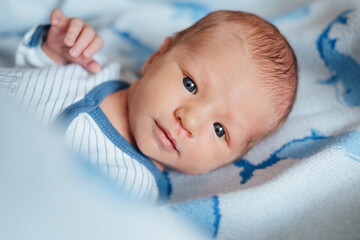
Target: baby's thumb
(58,20)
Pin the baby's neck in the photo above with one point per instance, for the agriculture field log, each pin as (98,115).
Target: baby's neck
(115,108)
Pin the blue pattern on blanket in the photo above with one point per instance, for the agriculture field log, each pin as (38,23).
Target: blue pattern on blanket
(189,9)
(296,14)
(205,213)
(343,67)
(303,148)
(137,49)
(131,39)
(194,11)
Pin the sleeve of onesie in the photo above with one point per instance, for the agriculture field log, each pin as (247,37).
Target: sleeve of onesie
(30,53)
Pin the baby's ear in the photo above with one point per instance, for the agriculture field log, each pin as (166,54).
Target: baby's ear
(156,54)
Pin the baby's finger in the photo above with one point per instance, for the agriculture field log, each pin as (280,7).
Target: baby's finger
(89,64)
(93,66)
(94,47)
(59,20)
(75,27)
(85,38)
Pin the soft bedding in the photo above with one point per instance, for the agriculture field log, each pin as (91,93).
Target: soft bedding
(303,181)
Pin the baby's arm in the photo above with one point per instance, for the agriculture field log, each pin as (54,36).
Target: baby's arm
(72,40)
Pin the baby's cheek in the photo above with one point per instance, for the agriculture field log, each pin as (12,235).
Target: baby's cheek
(202,159)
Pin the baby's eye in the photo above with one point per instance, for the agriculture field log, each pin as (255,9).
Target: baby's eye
(189,84)
(219,130)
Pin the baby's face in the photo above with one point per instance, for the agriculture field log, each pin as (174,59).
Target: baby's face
(196,110)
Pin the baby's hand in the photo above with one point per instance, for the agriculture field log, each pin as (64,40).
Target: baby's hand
(72,40)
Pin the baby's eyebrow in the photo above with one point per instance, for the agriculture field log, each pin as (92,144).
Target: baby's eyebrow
(234,126)
(229,116)
(199,69)
(229,124)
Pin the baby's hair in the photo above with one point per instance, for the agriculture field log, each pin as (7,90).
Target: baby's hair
(266,48)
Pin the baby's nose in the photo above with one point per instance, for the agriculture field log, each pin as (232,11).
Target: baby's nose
(192,119)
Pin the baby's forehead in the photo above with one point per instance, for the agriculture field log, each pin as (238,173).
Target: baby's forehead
(224,34)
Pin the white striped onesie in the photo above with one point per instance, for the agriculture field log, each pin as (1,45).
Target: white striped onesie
(71,95)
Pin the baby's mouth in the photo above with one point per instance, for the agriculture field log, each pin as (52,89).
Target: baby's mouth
(165,138)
